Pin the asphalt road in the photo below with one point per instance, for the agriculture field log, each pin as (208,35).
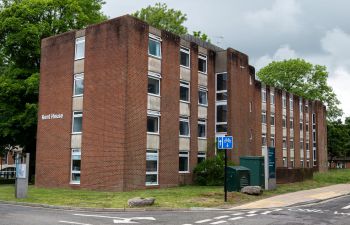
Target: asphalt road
(336,211)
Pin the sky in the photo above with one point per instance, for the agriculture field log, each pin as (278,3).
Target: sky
(315,30)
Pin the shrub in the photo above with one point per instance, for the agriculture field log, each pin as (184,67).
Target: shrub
(210,172)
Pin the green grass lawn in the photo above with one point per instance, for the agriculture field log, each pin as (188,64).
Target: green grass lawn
(178,197)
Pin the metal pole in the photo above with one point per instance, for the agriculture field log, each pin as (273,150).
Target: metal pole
(225,176)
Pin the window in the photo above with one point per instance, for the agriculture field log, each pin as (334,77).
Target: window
(185,57)
(184,91)
(263,140)
(183,162)
(306,108)
(153,123)
(76,165)
(314,137)
(307,163)
(284,161)
(284,121)
(202,129)
(77,122)
(153,85)
(284,143)
(221,87)
(272,98)
(301,125)
(202,63)
(291,102)
(221,118)
(272,120)
(184,127)
(301,105)
(313,119)
(314,156)
(80,48)
(291,123)
(301,146)
(272,140)
(263,95)
(292,163)
(302,163)
(203,96)
(307,127)
(151,167)
(291,144)
(284,101)
(78,85)
(263,117)
(307,146)
(201,157)
(154,46)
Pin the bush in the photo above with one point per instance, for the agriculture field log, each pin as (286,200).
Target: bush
(210,172)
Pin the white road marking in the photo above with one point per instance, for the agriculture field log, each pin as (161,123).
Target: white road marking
(236,218)
(221,217)
(219,222)
(237,214)
(346,207)
(276,210)
(252,211)
(266,212)
(118,219)
(69,222)
(252,214)
(203,221)
(187,224)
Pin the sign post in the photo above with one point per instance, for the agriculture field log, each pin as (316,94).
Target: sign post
(225,143)
(22,173)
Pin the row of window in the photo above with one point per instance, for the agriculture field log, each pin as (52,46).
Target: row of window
(155,50)
(221,102)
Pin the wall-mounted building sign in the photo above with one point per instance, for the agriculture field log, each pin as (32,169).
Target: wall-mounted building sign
(51,116)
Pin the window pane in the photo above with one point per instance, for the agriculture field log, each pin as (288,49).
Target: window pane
(201,130)
(152,124)
(202,97)
(221,82)
(184,93)
(183,164)
(221,96)
(202,65)
(151,166)
(184,128)
(221,113)
(76,165)
(184,59)
(78,86)
(151,178)
(153,86)
(154,47)
(221,128)
(77,124)
(80,48)
(76,177)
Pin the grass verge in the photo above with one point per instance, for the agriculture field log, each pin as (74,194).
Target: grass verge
(178,197)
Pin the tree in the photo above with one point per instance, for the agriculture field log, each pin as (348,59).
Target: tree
(170,20)
(303,79)
(23,23)
(338,139)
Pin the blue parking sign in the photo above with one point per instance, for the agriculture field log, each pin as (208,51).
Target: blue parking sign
(225,142)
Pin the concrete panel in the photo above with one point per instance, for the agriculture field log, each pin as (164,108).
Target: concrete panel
(308,154)
(154,65)
(202,79)
(77,103)
(284,132)
(184,109)
(292,153)
(185,74)
(184,144)
(153,103)
(221,62)
(202,112)
(79,66)
(202,50)
(302,154)
(79,33)
(263,106)
(155,31)
(272,129)
(291,133)
(284,112)
(152,141)
(76,141)
(301,134)
(263,128)
(284,152)
(307,136)
(202,145)
(272,108)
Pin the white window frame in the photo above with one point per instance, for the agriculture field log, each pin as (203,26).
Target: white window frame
(291,122)
(216,122)
(185,119)
(79,76)
(74,152)
(155,76)
(154,114)
(216,87)
(203,122)
(263,115)
(79,114)
(284,101)
(203,57)
(284,140)
(201,155)
(153,152)
(300,105)
(263,95)
(284,118)
(156,39)
(284,160)
(274,119)
(291,103)
(185,154)
(220,103)
(272,137)
(203,89)
(263,137)
(79,41)
(186,85)
(291,146)
(272,97)
(188,51)
(301,145)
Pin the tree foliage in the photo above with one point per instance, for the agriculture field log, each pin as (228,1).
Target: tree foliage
(303,79)
(201,35)
(338,140)
(23,23)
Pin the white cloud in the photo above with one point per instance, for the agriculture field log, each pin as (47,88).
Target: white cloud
(280,17)
(282,53)
(340,81)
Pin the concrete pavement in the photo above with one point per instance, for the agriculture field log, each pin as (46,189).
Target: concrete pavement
(299,197)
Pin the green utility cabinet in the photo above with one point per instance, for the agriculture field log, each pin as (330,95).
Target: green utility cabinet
(257,169)
(237,178)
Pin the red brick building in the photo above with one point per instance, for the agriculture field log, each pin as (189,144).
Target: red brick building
(124,106)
